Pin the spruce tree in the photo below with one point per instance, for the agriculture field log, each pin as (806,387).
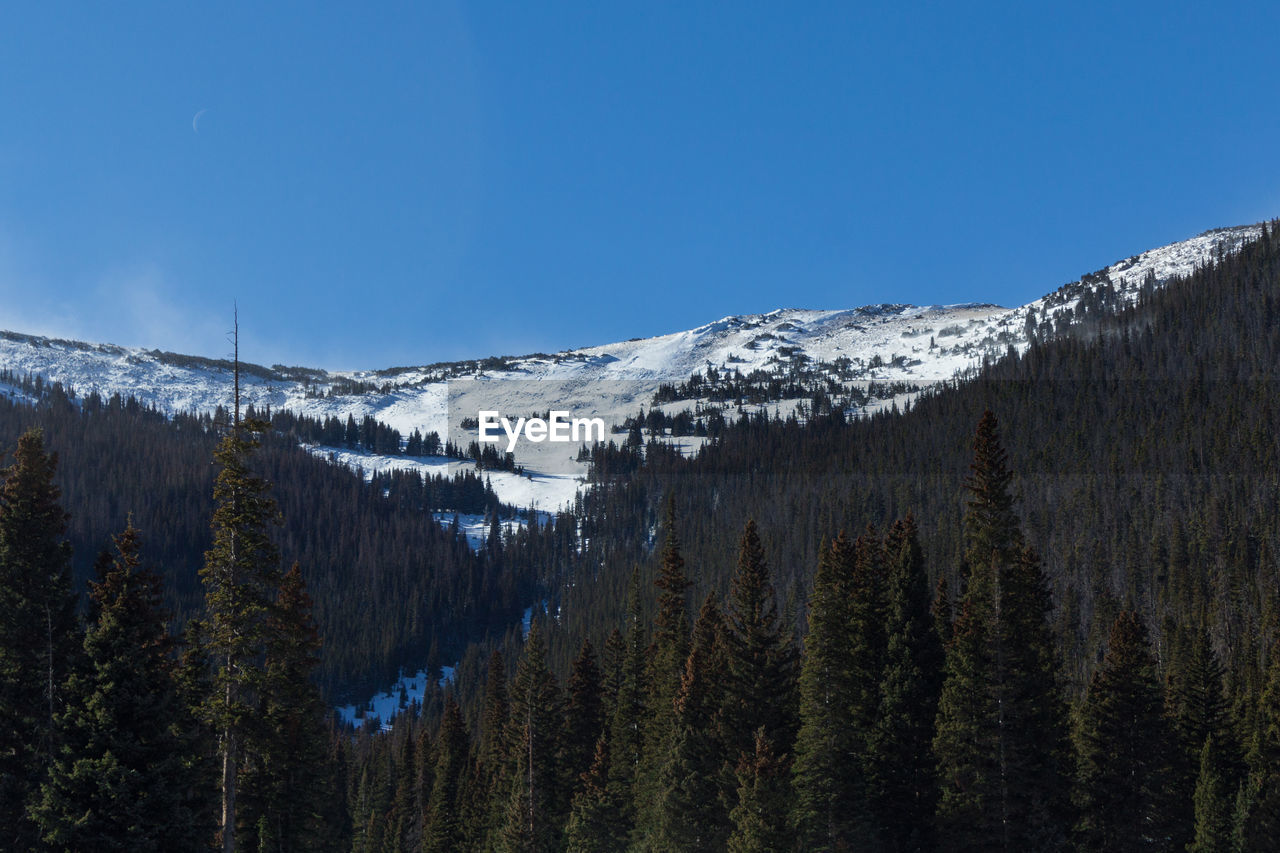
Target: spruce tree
(759,819)
(122,777)
(492,761)
(583,717)
(901,763)
(1001,739)
(39,633)
(696,791)
(1258,810)
(535,815)
(666,663)
(1212,804)
(626,732)
(1124,746)
(444,831)
(291,776)
(829,811)
(1198,711)
(593,820)
(241,574)
(761,658)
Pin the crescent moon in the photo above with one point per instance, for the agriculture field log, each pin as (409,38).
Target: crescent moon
(195,122)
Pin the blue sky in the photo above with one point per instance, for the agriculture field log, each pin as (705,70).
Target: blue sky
(428,181)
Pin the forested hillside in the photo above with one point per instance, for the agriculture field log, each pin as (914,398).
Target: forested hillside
(391,584)
(1036,611)
(1101,567)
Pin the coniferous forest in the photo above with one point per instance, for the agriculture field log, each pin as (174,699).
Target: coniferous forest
(1036,610)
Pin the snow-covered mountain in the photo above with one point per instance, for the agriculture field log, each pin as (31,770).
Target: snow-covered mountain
(884,343)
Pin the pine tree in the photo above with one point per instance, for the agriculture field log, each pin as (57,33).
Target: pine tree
(830,809)
(1258,810)
(444,830)
(492,761)
(593,821)
(535,815)
(121,780)
(902,766)
(665,667)
(1124,745)
(241,574)
(761,658)
(966,739)
(1213,804)
(1000,736)
(867,615)
(1198,711)
(1035,744)
(696,791)
(39,632)
(291,775)
(626,733)
(583,717)
(759,819)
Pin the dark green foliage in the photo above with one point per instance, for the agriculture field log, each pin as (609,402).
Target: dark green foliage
(1001,738)
(290,779)
(966,737)
(121,779)
(38,634)
(1213,804)
(583,718)
(666,663)
(241,574)
(761,658)
(829,808)
(535,808)
(444,830)
(902,768)
(696,790)
(1258,809)
(626,726)
(759,819)
(1124,748)
(593,821)
(1198,710)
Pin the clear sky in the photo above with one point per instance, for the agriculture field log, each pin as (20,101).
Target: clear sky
(407,183)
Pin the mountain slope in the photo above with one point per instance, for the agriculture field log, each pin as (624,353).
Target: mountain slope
(881,343)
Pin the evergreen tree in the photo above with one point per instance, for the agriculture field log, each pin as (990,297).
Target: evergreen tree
(583,717)
(121,780)
(966,739)
(39,632)
(593,821)
(626,733)
(665,667)
(241,574)
(1124,747)
(444,830)
(492,761)
(902,766)
(830,809)
(1035,744)
(1213,804)
(1258,809)
(1198,711)
(761,658)
(696,792)
(1001,737)
(867,615)
(534,815)
(291,776)
(759,819)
